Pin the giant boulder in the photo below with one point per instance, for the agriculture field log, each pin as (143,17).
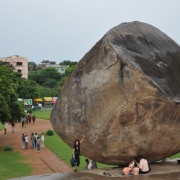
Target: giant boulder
(124,97)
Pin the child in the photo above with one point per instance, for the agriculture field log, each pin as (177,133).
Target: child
(127,171)
(135,170)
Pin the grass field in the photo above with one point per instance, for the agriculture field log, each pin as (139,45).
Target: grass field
(1,126)
(12,166)
(45,114)
(175,156)
(64,152)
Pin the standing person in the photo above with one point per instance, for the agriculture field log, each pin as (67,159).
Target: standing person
(13,125)
(76,152)
(143,165)
(27,118)
(36,136)
(42,140)
(38,144)
(25,122)
(26,142)
(22,121)
(5,128)
(32,140)
(23,141)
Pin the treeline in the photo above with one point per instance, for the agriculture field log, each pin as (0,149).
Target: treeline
(49,80)
(40,83)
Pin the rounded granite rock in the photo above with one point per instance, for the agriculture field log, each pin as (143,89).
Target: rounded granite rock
(123,97)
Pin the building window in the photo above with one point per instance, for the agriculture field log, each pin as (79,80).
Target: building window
(62,70)
(19,71)
(19,63)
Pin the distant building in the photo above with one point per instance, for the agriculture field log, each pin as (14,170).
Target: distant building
(60,68)
(19,63)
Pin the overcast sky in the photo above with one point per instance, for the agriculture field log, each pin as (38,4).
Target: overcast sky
(58,30)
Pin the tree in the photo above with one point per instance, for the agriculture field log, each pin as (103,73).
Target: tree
(44,76)
(32,66)
(68,63)
(10,109)
(27,89)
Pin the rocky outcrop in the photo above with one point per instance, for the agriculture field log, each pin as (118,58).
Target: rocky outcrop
(124,97)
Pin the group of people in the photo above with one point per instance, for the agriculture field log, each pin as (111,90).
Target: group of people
(36,141)
(27,119)
(139,165)
(6,125)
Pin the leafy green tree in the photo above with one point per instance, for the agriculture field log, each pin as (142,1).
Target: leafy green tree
(46,92)
(27,89)
(32,66)
(10,109)
(68,63)
(45,76)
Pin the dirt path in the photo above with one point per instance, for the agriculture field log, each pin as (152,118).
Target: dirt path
(44,162)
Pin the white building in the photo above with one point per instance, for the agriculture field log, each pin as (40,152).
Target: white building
(61,68)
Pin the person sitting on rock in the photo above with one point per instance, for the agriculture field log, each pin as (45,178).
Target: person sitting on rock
(87,163)
(135,170)
(143,165)
(127,171)
(133,162)
(92,164)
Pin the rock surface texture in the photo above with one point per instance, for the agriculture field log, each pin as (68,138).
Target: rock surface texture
(124,97)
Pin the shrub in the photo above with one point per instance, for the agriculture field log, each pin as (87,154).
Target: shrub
(29,110)
(50,132)
(7,148)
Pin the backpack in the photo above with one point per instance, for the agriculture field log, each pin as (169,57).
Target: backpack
(73,162)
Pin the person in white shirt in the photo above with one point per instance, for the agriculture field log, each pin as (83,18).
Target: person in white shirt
(26,142)
(143,165)
(42,140)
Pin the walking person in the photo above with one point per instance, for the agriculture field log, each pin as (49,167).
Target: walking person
(5,128)
(76,152)
(42,140)
(38,144)
(13,125)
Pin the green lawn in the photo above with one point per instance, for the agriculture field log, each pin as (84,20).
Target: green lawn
(11,165)
(64,152)
(45,114)
(1,126)
(175,156)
